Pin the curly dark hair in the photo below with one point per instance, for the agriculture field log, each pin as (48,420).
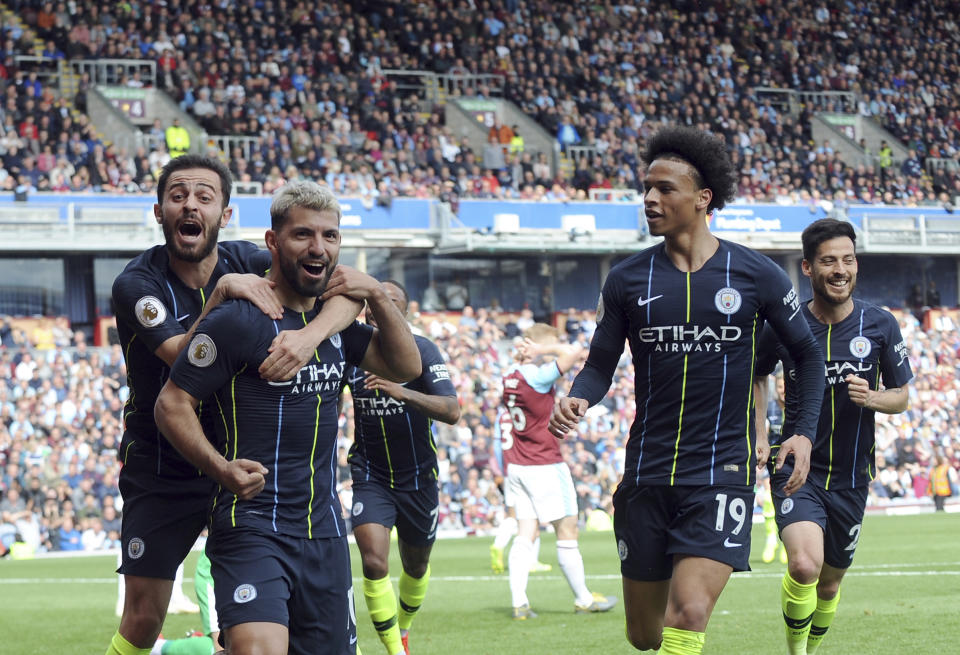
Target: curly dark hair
(706,153)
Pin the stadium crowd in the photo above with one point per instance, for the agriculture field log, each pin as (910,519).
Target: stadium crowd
(308,82)
(61,404)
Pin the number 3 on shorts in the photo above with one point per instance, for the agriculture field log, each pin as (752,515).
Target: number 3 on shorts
(738,512)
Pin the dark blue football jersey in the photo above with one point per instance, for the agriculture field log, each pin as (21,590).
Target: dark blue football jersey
(867,344)
(693,338)
(152,305)
(393,443)
(289,427)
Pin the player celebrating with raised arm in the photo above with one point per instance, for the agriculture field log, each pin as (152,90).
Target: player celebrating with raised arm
(159,299)
(820,524)
(538,483)
(393,462)
(277,545)
(691,308)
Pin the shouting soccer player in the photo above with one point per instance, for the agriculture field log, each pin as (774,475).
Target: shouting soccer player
(159,298)
(691,308)
(277,545)
(538,483)
(820,524)
(393,462)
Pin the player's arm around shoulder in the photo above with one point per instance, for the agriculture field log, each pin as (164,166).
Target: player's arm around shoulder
(292,349)
(232,286)
(392,352)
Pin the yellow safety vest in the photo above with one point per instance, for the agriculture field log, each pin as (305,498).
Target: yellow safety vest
(941,480)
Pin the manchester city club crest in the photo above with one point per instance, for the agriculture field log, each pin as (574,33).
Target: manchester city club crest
(622,550)
(150,311)
(244,593)
(860,347)
(202,352)
(135,548)
(786,506)
(600,309)
(357,508)
(727,300)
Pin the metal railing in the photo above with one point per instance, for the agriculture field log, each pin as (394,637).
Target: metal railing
(837,102)
(791,101)
(576,153)
(436,87)
(44,67)
(614,195)
(935,164)
(226,143)
(115,72)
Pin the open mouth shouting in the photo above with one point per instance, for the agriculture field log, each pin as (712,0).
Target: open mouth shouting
(314,269)
(190,231)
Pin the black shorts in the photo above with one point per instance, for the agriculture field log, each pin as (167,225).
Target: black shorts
(162,518)
(304,584)
(838,513)
(413,512)
(653,524)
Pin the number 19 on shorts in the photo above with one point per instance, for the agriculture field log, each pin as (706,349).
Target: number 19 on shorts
(736,510)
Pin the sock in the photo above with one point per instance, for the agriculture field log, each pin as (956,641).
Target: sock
(121,586)
(506,530)
(770,523)
(158,647)
(822,618)
(681,642)
(382,605)
(120,646)
(521,559)
(798,602)
(571,563)
(177,592)
(412,591)
(188,646)
(536,551)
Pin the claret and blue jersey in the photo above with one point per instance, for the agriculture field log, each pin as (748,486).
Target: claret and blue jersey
(867,344)
(289,427)
(693,338)
(152,305)
(394,444)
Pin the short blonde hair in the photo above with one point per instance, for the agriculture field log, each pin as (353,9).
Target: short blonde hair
(540,332)
(302,193)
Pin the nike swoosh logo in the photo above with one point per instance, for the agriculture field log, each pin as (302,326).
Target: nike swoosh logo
(353,640)
(729,544)
(180,318)
(641,302)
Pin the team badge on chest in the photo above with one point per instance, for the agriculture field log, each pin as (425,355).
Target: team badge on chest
(860,347)
(727,300)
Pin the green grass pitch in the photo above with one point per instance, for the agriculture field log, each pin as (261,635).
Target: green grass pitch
(901,596)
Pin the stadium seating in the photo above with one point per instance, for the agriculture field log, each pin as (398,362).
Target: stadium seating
(315,96)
